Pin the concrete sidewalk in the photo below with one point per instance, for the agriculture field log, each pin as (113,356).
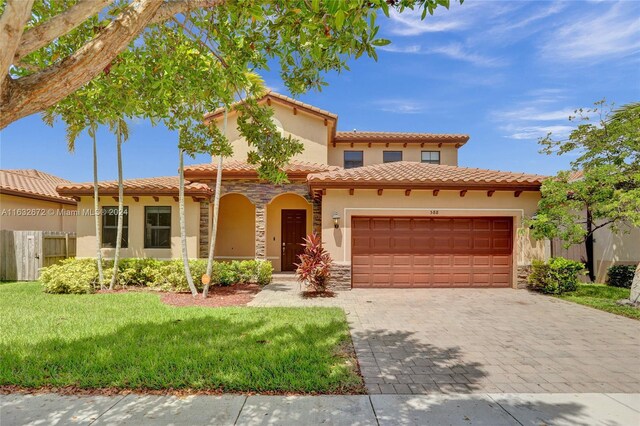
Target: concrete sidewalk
(437,409)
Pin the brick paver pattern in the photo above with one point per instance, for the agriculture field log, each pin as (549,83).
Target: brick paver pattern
(415,341)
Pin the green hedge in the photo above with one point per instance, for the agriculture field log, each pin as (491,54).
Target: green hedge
(556,276)
(621,275)
(81,275)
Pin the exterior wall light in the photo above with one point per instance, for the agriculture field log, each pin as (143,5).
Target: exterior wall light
(336,217)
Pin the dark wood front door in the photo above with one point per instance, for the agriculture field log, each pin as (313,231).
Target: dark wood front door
(294,228)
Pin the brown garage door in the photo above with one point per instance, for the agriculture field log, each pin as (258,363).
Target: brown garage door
(431,252)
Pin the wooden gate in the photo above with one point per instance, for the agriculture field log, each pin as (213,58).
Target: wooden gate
(24,253)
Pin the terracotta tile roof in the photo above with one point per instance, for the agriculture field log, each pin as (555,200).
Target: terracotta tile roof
(234,169)
(399,137)
(271,95)
(32,183)
(575,175)
(168,185)
(405,174)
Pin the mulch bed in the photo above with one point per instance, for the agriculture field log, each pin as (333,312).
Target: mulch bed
(317,294)
(235,295)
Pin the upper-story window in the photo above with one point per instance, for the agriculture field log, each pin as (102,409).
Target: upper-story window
(110,226)
(391,156)
(431,157)
(157,227)
(353,159)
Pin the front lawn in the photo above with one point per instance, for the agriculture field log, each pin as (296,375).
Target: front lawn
(133,341)
(602,297)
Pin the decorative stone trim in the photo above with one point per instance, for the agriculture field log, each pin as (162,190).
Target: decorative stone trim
(261,231)
(203,245)
(340,277)
(523,274)
(316,209)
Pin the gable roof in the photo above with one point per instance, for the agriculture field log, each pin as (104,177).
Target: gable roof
(32,183)
(167,185)
(235,169)
(399,137)
(410,175)
(272,96)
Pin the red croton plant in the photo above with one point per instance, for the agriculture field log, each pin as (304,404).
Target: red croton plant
(315,264)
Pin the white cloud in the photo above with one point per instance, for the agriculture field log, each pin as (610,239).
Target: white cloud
(452,50)
(409,22)
(530,113)
(596,36)
(459,52)
(400,106)
(535,132)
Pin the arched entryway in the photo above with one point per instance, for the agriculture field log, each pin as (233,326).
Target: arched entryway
(236,238)
(289,220)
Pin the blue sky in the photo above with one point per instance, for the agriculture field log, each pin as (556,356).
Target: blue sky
(504,72)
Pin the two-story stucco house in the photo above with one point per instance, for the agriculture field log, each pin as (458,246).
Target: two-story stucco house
(394,209)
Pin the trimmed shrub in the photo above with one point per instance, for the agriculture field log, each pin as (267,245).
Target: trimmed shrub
(621,275)
(264,272)
(71,276)
(81,275)
(556,276)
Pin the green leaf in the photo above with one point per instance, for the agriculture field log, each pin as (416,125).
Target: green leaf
(381,42)
(339,19)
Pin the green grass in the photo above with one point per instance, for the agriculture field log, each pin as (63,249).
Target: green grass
(134,341)
(602,297)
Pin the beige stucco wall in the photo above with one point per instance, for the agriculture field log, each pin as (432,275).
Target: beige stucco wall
(274,223)
(308,129)
(373,155)
(86,228)
(28,214)
(236,238)
(615,249)
(423,203)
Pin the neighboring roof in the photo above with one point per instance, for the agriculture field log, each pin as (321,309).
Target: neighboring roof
(157,186)
(409,175)
(277,97)
(575,175)
(32,183)
(235,169)
(399,137)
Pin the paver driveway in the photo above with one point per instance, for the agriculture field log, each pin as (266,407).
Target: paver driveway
(480,340)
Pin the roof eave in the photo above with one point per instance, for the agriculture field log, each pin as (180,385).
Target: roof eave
(40,197)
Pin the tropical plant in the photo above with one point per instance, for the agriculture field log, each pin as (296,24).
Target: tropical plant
(314,268)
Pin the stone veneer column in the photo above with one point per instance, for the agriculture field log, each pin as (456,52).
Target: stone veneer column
(204,230)
(261,230)
(316,209)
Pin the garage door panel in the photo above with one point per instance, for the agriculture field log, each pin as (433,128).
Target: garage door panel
(431,252)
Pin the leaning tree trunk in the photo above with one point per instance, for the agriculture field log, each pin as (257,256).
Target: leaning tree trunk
(183,230)
(635,286)
(589,247)
(116,256)
(96,208)
(216,209)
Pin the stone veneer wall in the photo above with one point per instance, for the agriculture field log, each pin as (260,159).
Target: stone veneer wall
(340,277)
(523,275)
(203,241)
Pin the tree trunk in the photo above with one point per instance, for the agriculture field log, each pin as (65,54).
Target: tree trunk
(589,247)
(116,256)
(38,91)
(183,230)
(216,209)
(14,18)
(635,286)
(97,211)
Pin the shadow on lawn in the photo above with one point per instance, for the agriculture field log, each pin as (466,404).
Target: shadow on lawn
(209,353)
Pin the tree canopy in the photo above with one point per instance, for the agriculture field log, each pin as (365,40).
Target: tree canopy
(55,47)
